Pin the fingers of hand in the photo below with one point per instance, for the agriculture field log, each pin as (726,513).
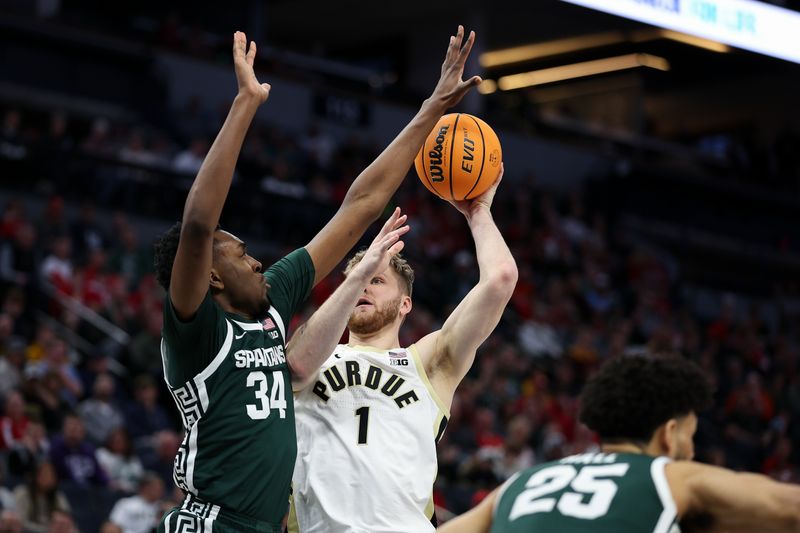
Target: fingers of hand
(391,222)
(462,57)
(239,44)
(251,53)
(459,36)
(396,248)
(394,235)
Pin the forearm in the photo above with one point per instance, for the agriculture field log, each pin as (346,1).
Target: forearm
(373,188)
(210,189)
(495,261)
(314,342)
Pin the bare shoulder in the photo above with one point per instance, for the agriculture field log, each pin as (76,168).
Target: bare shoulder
(735,500)
(426,348)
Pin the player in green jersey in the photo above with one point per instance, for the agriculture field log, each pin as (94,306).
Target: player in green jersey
(644,410)
(225,318)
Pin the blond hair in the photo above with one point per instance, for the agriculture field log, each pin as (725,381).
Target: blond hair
(398,264)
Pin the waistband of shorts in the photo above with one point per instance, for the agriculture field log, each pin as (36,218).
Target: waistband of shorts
(207,510)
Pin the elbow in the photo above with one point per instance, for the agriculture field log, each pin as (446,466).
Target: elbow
(194,228)
(363,203)
(300,373)
(504,278)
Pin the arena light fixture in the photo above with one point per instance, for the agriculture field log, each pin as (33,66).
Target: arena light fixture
(529,52)
(694,40)
(580,70)
(487,87)
(747,24)
(518,54)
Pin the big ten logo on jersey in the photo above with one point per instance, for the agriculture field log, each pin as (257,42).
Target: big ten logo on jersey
(398,358)
(348,374)
(269,326)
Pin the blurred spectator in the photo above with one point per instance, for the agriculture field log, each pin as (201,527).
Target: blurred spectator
(142,512)
(10,521)
(53,223)
(61,522)
(44,392)
(780,464)
(11,129)
(57,362)
(144,350)
(87,235)
(74,458)
(129,259)
(100,413)
(516,453)
(7,500)
(14,422)
(35,351)
(188,161)
(161,460)
(110,527)
(12,362)
(57,267)
(117,459)
(37,499)
(91,283)
(19,257)
(318,145)
(28,452)
(145,417)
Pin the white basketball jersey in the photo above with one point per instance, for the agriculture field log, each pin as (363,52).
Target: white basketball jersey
(366,444)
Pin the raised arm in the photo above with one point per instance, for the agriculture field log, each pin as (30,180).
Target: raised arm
(448,353)
(738,502)
(372,189)
(192,267)
(314,341)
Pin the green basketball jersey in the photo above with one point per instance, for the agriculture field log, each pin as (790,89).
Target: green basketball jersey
(593,492)
(230,381)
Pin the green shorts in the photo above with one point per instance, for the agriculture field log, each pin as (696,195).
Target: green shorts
(194,516)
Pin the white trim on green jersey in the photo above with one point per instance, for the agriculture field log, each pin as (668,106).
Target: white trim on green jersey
(192,401)
(668,515)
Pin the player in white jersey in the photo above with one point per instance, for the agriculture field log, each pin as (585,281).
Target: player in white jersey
(368,421)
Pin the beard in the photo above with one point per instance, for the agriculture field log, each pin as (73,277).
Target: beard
(367,323)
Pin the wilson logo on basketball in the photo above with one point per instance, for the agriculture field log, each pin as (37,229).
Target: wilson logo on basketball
(460,159)
(436,155)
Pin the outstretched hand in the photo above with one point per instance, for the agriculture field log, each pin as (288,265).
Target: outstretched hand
(485,200)
(243,59)
(451,88)
(385,245)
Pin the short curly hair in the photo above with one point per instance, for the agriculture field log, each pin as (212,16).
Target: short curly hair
(631,396)
(164,250)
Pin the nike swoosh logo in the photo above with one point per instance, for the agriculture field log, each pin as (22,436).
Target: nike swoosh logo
(337,356)
(237,337)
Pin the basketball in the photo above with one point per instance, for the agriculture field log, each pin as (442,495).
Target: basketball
(461,157)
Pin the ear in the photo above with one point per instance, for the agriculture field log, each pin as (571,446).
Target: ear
(215,282)
(665,440)
(405,305)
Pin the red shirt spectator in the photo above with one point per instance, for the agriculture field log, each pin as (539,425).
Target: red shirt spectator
(14,422)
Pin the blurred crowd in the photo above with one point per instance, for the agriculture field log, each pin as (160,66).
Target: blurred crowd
(88,431)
